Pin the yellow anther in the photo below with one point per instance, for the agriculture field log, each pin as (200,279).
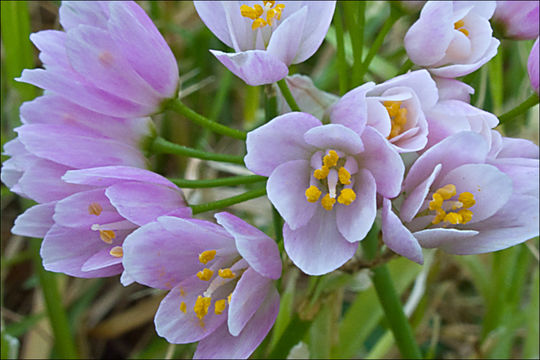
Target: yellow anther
(252,13)
(107,236)
(270,15)
(466,215)
(258,23)
(205,274)
(207,256)
(327,202)
(398,117)
(347,197)
(117,251)
(94,209)
(330,159)
(459,24)
(321,173)
(392,107)
(437,202)
(229,298)
(344,176)
(467,199)
(270,2)
(447,191)
(312,193)
(464,31)
(201,306)
(226,273)
(453,218)
(219,306)
(439,217)
(183,307)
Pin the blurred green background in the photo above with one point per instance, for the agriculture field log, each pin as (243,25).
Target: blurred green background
(460,306)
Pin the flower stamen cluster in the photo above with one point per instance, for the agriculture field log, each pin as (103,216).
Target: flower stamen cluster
(257,13)
(398,115)
(459,26)
(442,203)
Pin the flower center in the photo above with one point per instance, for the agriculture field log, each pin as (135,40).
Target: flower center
(333,176)
(442,204)
(224,276)
(459,26)
(258,13)
(398,116)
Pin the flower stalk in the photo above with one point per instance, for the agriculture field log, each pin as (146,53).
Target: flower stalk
(223,203)
(520,109)
(162,146)
(286,92)
(228,181)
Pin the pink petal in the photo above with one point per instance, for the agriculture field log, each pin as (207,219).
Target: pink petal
(35,221)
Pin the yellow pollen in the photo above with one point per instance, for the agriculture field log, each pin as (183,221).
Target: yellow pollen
(466,215)
(459,26)
(346,197)
(183,307)
(447,191)
(321,173)
(331,159)
(229,298)
(201,306)
(437,202)
(107,236)
(257,12)
(327,202)
(313,193)
(467,199)
(94,209)
(219,306)
(117,251)
(344,176)
(453,218)
(207,256)
(398,117)
(439,217)
(205,274)
(226,273)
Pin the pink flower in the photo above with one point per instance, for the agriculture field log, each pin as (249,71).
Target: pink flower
(110,59)
(518,19)
(267,36)
(532,66)
(219,277)
(83,233)
(452,39)
(323,180)
(455,201)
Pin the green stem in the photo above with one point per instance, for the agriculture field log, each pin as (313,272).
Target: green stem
(394,16)
(370,244)
(219,204)
(291,336)
(228,181)
(394,313)
(356,32)
(340,45)
(177,106)
(520,109)
(65,345)
(287,95)
(162,146)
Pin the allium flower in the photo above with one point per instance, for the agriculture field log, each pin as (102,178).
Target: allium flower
(111,59)
(267,36)
(457,202)
(396,109)
(452,89)
(85,231)
(452,38)
(220,279)
(323,180)
(518,19)
(57,136)
(532,66)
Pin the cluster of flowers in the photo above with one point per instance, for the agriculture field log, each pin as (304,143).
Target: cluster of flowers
(80,154)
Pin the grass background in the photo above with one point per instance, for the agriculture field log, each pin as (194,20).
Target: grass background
(482,306)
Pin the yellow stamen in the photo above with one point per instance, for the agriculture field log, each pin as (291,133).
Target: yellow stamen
(258,23)
(312,193)
(201,306)
(467,199)
(207,256)
(252,13)
(256,13)
(466,215)
(459,24)
(447,191)
(117,251)
(347,197)
(439,217)
(453,218)
(398,117)
(344,176)
(464,31)
(327,202)
(392,107)
(437,202)
(107,236)
(321,173)
(94,209)
(226,273)
(229,298)
(205,274)
(219,306)
(331,159)
(183,307)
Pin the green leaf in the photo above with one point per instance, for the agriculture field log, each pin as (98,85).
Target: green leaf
(10,346)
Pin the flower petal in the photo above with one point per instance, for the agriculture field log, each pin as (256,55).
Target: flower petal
(35,221)
(351,109)
(319,15)
(334,136)
(284,44)
(110,175)
(412,204)
(434,238)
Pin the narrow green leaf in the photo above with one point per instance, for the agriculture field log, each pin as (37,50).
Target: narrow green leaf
(530,349)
